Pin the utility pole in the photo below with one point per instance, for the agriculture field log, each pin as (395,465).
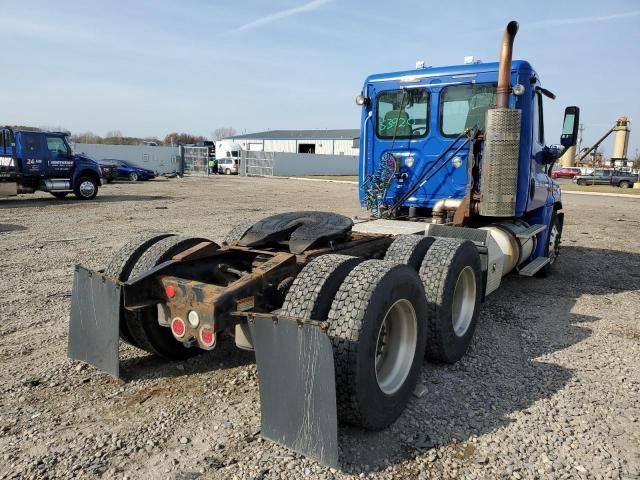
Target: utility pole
(580,130)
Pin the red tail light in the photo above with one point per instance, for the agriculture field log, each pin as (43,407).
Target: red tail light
(207,337)
(170,291)
(177,327)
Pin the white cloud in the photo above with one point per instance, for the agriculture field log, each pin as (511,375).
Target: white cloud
(575,20)
(308,7)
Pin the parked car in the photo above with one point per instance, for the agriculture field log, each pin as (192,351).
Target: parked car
(607,177)
(565,172)
(129,170)
(228,166)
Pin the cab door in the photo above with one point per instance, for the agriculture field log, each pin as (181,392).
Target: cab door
(59,159)
(538,188)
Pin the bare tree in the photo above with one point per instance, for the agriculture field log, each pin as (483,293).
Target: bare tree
(114,134)
(86,137)
(223,132)
(175,138)
(636,159)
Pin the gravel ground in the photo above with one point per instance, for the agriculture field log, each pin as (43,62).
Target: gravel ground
(549,389)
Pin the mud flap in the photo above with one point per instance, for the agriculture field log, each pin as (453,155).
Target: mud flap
(297,387)
(94,321)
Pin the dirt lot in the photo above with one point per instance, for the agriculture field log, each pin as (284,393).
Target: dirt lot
(549,389)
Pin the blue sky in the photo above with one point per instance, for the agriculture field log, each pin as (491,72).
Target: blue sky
(151,67)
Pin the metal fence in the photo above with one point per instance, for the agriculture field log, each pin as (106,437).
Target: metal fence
(257,164)
(267,164)
(158,159)
(196,160)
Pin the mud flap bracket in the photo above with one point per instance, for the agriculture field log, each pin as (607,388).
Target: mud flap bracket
(94,321)
(297,386)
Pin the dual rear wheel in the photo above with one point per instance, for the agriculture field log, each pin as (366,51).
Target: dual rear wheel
(384,316)
(140,328)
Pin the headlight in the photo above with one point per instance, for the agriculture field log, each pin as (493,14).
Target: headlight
(456,162)
(361,100)
(409,161)
(518,89)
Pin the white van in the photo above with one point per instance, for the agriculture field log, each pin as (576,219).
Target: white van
(228,166)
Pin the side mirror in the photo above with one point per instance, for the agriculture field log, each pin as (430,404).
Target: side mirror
(569,135)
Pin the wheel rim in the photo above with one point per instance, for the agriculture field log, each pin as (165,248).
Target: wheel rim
(87,188)
(553,244)
(133,177)
(396,346)
(464,301)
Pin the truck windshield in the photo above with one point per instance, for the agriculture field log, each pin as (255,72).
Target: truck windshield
(403,113)
(463,106)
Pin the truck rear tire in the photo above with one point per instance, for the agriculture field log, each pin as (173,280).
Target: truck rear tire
(409,250)
(624,184)
(312,292)
(238,230)
(451,275)
(377,328)
(121,264)
(85,188)
(59,194)
(143,324)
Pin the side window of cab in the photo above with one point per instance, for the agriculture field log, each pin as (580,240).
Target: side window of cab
(538,119)
(56,146)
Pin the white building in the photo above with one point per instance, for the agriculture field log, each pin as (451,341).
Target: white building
(324,142)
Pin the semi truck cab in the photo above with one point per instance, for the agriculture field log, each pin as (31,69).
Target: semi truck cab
(32,161)
(410,117)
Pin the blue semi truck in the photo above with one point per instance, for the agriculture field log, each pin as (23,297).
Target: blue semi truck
(454,170)
(34,160)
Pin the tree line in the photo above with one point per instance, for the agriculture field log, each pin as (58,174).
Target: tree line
(116,137)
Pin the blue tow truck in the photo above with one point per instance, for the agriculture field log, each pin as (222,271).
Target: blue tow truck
(34,160)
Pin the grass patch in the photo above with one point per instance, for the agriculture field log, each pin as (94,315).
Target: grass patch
(344,178)
(572,187)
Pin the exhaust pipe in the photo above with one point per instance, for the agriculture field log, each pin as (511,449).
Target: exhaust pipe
(504,72)
(499,170)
